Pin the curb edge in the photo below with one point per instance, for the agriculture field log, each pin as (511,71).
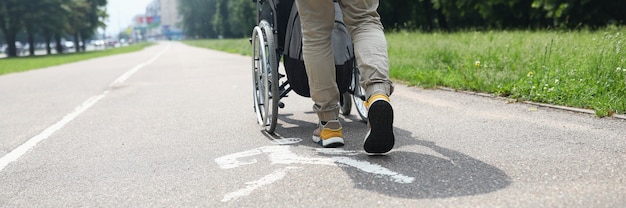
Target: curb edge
(578,110)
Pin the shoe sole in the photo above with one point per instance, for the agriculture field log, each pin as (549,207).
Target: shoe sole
(379,138)
(330,142)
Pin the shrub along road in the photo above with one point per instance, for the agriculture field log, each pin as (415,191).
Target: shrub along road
(172,125)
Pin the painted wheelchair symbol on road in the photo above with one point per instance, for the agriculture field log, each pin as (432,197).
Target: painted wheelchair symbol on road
(282,155)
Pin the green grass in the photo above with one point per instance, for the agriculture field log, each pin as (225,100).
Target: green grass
(583,69)
(579,69)
(236,46)
(19,64)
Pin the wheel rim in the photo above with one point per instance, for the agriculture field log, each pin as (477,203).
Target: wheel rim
(258,88)
(270,78)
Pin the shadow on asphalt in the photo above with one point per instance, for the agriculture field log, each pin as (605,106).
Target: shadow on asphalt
(449,174)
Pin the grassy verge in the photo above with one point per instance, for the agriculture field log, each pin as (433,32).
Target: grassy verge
(236,46)
(583,69)
(579,69)
(19,64)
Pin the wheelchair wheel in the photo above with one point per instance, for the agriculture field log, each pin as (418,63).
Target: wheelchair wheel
(358,95)
(265,76)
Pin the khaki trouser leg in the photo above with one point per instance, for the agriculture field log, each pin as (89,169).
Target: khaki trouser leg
(317,17)
(370,45)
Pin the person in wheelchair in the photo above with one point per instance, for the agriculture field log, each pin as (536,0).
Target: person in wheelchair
(370,46)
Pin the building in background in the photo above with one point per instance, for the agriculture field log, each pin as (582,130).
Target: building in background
(138,31)
(161,21)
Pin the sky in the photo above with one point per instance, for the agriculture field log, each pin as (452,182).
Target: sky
(121,13)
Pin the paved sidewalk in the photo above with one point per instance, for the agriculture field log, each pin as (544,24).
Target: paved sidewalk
(173,125)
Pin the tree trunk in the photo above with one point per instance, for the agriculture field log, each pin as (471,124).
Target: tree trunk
(428,7)
(76,45)
(59,47)
(441,19)
(83,40)
(47,36)
(9,37)
(31,42)
(11,48)
(77,42)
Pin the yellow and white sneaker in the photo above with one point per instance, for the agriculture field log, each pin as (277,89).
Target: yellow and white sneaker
(329,135)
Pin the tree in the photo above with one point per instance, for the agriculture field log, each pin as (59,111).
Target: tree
(220,17)
(215,18)
(77,17)
(197,17)
(96,14)
(242,17)
(84,19)
(49,27)
(235,18)
(37,18)
(11,12)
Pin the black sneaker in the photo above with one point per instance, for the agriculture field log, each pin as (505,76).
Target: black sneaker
(379,138)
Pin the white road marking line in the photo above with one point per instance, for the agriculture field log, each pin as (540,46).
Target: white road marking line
(374,169)
(286,141)
(336,151)
(32,142)
(232,160)
(281,154)
(254,185)
(134,70)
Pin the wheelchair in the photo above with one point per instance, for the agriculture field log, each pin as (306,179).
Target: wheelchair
(270,84)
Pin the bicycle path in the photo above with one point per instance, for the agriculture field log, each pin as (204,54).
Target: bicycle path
(173,125)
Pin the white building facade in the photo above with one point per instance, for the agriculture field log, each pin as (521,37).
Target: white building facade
(161,20)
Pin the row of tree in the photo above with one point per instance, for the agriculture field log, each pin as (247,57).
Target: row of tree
(217,18)
(50,20)
(235,18)
(453,15)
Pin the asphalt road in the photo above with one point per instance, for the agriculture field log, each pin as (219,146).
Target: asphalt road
(173,126)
